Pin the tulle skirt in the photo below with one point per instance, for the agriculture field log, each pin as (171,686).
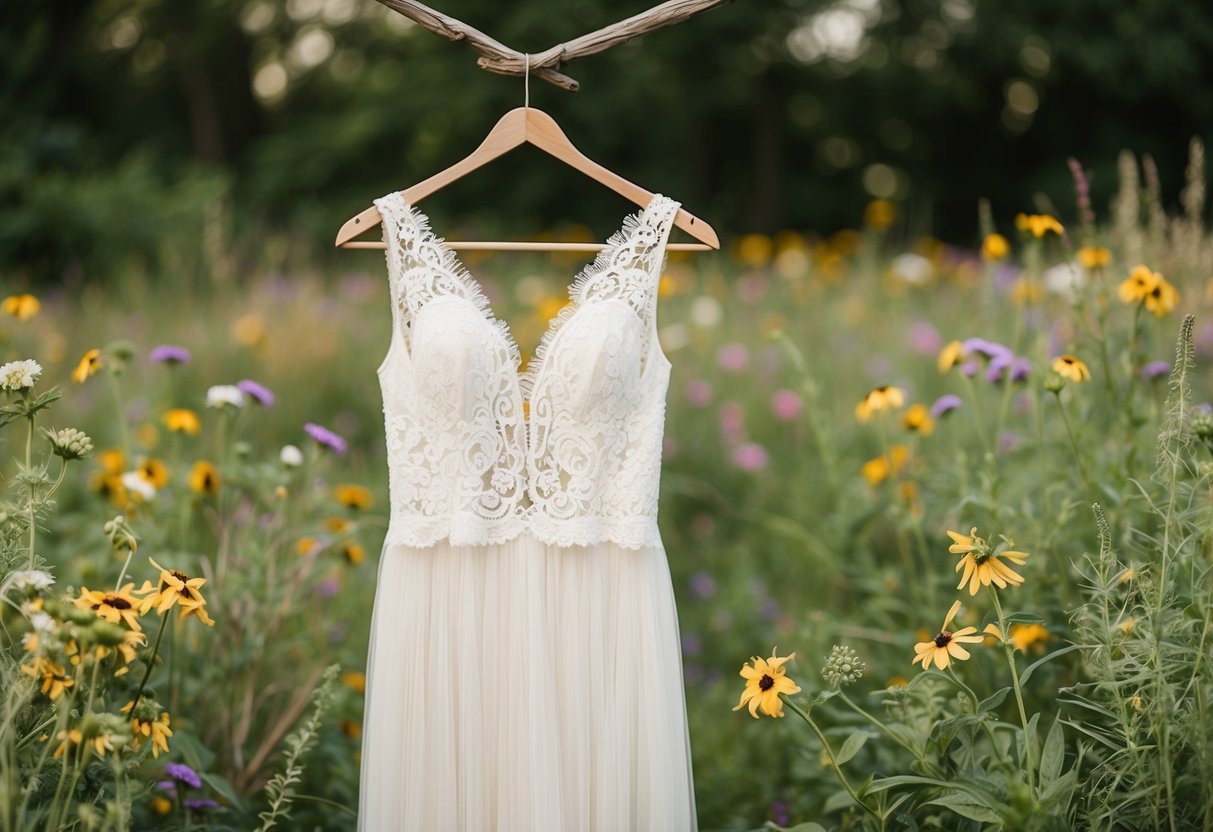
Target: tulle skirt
(524,687)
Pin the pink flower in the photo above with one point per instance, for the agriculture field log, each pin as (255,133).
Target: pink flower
(732,422)
(924,338)
(733,357)
(699,394)
(786,405)
(750,457)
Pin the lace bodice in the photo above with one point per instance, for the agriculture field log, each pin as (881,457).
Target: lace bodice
(570,450)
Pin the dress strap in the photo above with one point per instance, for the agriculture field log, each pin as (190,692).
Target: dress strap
(391,209)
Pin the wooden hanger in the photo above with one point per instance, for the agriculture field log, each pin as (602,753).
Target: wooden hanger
(526,125)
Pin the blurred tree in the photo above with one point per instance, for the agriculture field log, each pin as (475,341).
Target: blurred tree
(128,127)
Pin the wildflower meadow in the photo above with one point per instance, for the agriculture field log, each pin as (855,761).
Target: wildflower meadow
(939,521)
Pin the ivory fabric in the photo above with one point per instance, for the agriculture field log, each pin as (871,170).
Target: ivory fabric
(525,669)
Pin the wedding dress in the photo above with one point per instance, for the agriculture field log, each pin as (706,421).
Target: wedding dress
(525,668)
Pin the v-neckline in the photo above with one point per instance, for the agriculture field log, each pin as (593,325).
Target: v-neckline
(526,379)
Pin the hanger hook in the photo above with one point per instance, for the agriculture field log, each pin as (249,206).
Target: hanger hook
(526,82)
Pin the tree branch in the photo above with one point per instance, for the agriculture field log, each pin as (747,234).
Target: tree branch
(501,59)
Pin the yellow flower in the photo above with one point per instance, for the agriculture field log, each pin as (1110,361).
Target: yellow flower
(1150,287)
(157,730)
(354,680)
(1038,225)
(1025,292)
(54,678)
(116,607)
(99,742)
(181,420)
(875,471)
(879,214)
(161,805)
(249,330)
(981,563)
(994,247)
(175,588)
(1024,636)
(204,479)
(21,307)
(918,418)
(353,496)
(353,553)
(1067,366)
(153,471)
(755,249)
(89,364)
(764,682)
(338,525)
(952,354)
(351,728)
(1093,257)
(878,399)
(946,645)
(550,307)
(306,545)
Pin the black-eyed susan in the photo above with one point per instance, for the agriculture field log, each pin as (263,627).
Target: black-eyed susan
(204,479)
(153,471)
(946,644)
(1071,368)
(21,307)
(994,248)
(1149,287)
(1094,257)
(182,420)
(917,418)
(149,722)
(354,680)
(55,679)
(353,553)
(952,354)
(1038,225)
(765,680)
(877,470)
(338,525)
(981,563)
(117,607)
(879,399)
(174,588)
(89,364)
(1027,636)
(351,495)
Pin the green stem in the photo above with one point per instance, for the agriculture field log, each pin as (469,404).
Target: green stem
(884,729)
(978,419)
(1082,467)
(1009,651)
(151,662)
(29,456)
(116,391)
(842,778)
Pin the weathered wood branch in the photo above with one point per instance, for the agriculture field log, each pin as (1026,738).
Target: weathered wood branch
(499,58)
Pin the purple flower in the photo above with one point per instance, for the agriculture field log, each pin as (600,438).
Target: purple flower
(733,357)
(751,457)
(325,438)
(989,349)
(204,804)
(944,404)
(732,422)
(257,392)
(924,338)
(703,585)
(1008,441)
(1154,369)
(699,394)
(170,354)
(329,587)
(691,644)
(1017,367)
(183,774)
(786,405)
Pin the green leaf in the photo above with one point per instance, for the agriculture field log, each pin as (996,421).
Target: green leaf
(1053,754)
(993,700)
(851,747)
(223,788)
(838,800)
(1030,669)
(807,826)
(972,811)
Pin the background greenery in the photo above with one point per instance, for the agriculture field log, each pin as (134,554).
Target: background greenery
(138,126)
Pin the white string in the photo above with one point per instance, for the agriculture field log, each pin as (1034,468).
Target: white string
(526,83)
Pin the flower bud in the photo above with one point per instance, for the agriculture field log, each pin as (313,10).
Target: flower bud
(69,443)
(843,667)
(121,536)
(107,634)
(1055,383)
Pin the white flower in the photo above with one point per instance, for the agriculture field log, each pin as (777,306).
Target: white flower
(1063,279)
(225,394)
(705,311)
(41,622)
(18,375)
(912,268)
(31,579)
(291,455)
(135,482)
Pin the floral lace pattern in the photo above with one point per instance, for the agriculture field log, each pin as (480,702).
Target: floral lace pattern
(465,461)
